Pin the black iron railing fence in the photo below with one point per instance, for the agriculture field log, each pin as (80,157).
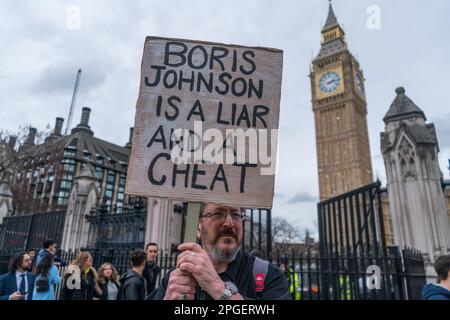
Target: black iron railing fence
(124,228)
(352,224)
(29,231)
(402,275)
(114,230)
(352,238)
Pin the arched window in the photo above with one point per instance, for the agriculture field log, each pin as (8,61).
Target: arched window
(406,156)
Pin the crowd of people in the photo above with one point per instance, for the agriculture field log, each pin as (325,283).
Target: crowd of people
(35,275)
(215,268)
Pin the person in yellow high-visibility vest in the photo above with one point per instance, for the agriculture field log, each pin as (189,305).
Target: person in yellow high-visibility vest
(294,284)
(292,276)
(344,287)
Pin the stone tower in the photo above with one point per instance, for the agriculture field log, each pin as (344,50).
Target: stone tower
(84,196)
(340,110)
(417,203)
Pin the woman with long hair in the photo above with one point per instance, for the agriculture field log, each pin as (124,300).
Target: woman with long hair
(46,277)
(80,279)
(108,281)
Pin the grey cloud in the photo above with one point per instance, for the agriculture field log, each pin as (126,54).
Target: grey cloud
(302,197)
(442,125)
(60,79)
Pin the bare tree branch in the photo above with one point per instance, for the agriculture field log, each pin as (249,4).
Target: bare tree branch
(284,232)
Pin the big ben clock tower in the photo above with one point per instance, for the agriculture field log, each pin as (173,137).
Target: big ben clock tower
(340,110)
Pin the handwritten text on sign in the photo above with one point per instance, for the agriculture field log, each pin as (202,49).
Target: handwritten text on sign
(206,120)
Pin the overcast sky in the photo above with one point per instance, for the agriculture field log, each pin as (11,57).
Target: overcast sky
(41,52)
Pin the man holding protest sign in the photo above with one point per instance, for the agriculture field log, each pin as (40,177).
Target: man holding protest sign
(206,131)
(217,268)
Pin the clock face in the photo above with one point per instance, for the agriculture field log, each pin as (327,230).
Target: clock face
(329,82)
(359,85)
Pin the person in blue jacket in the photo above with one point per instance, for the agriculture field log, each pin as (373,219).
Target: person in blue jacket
(441,289)
(18,283)
(46,278)
(49,245)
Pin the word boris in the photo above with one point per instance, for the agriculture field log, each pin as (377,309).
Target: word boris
(177,55)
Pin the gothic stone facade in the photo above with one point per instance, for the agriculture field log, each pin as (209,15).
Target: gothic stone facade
(414,180)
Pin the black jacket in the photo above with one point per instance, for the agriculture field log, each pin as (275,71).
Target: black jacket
(150,275)
(240,272)
(133,286)
(104,288)
(70,289)
(90,288)
(86,288)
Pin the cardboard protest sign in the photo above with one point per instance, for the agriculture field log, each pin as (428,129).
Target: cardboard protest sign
(206,123)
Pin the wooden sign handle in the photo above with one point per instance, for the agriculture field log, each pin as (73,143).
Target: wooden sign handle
(190,226)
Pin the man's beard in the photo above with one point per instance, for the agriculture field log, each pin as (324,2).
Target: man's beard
(221,255)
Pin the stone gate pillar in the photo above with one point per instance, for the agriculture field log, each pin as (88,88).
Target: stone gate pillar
(163,224)
(5,201)
(83,197)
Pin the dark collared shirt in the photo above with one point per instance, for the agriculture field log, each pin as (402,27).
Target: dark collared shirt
(240,272)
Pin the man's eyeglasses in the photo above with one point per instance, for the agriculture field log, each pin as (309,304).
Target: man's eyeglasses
(222,215)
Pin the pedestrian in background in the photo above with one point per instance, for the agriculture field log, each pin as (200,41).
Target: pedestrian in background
(18,283)
(108,281)
(80,279)
(49,245)
(32,253)
(292,277)
(441,289)
(46,278)
(133,284)
(151,271)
